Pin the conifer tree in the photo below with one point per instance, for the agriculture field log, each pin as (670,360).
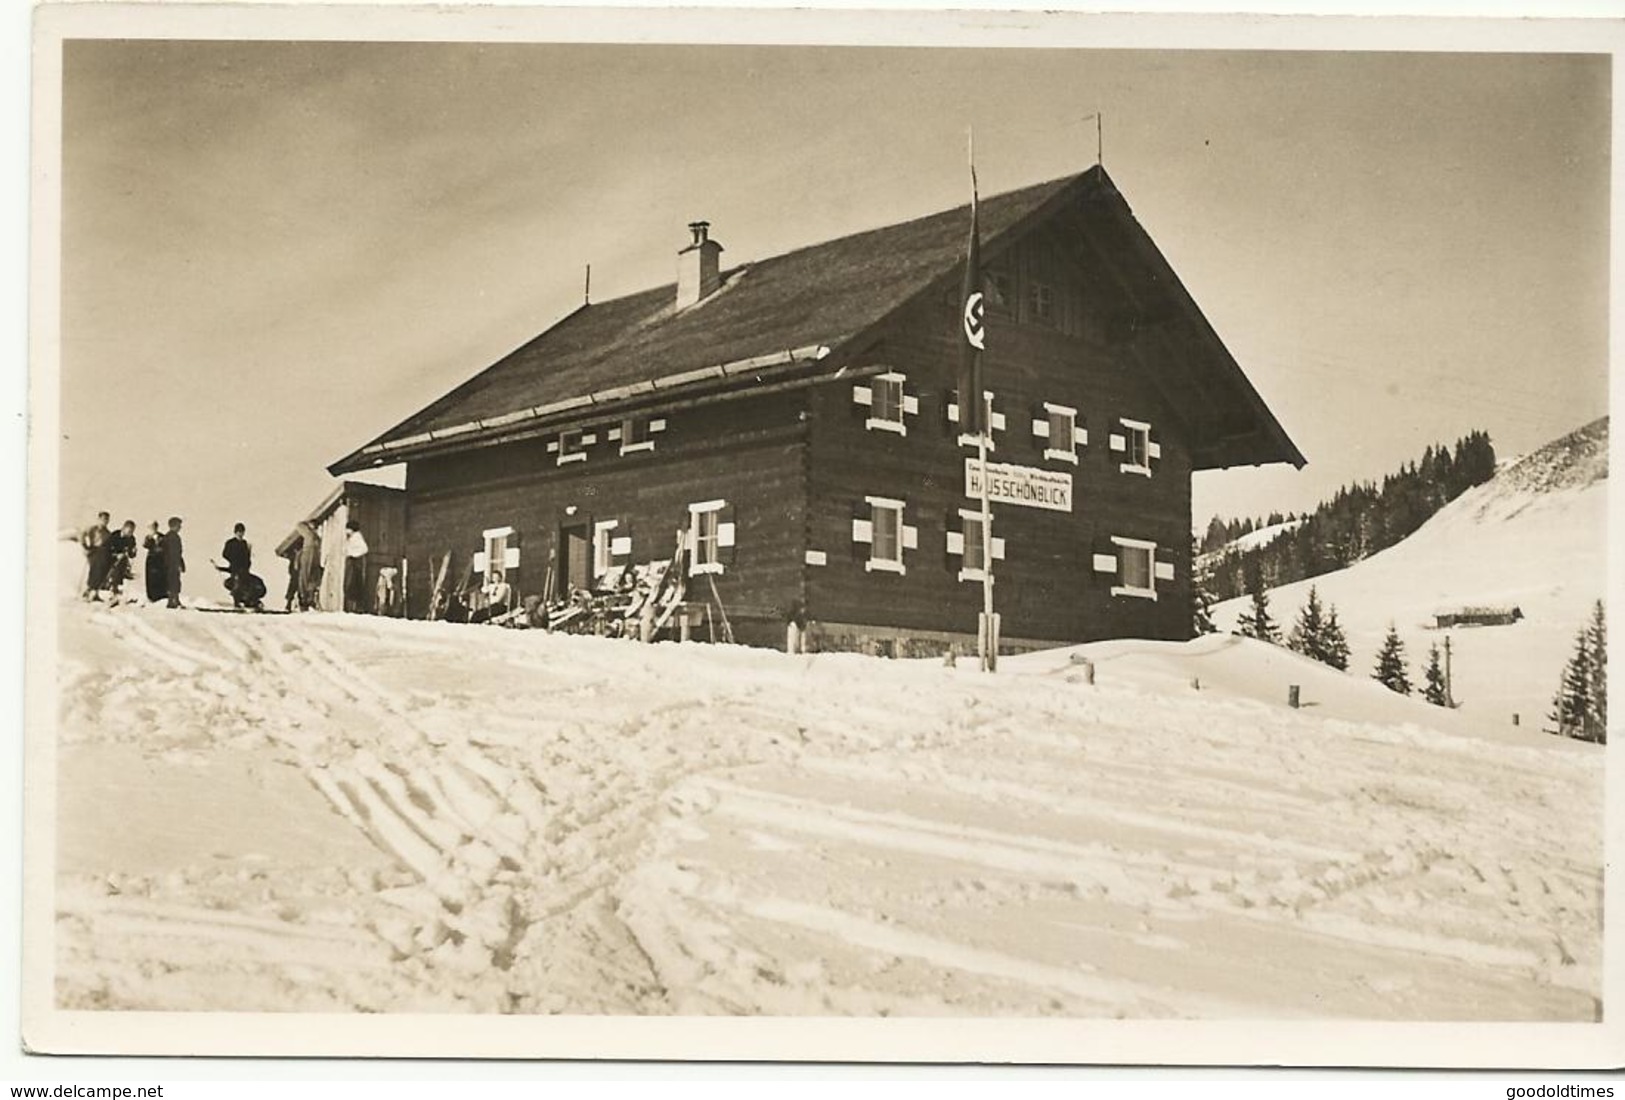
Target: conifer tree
(1571,709)
(1308,635)
(1334,642)
(1434,691)
(1255,622)
(1391,671)
(1201,597)
(1598,687)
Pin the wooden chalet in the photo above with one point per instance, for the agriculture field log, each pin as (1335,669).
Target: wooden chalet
(792,425)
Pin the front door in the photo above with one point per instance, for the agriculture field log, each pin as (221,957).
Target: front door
(575,550)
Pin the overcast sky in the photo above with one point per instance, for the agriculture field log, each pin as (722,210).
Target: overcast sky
(273,252)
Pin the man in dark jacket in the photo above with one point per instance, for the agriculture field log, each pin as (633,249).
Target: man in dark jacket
(98,556)
(239,558)
(174,563)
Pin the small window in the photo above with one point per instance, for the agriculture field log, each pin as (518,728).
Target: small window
(1061,434)
(995,421)
(603,539)
(971,524)
(708,536)
(1136,568)
(496,553)
(1136,446)
(705,541)
(572,447)
(1041,302)
(886,544)
(887,403)
(636,435)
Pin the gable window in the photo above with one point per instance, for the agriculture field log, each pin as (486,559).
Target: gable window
(1136,446)
(1058,427)
(708,537)
(636,435)
(1041,302)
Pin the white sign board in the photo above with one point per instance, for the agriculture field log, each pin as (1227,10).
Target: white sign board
(1027,486)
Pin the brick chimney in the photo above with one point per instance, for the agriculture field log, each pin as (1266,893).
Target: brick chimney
(698,272)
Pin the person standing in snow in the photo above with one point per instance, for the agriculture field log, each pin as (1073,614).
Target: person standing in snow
(239,557)
(98,558)
(121,550)
(174,561)
(355,568)
(309,564)
(157,584)
(291,596)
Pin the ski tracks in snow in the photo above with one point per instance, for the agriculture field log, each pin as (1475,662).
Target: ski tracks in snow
(590,826)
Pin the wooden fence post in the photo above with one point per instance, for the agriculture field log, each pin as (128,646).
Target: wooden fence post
(1292,696)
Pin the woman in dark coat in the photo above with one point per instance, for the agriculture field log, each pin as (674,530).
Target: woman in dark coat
(157,581)
(174,562)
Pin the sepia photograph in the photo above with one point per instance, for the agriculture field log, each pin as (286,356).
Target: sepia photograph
(744,524)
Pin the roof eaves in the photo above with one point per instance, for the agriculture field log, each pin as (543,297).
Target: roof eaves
(384,451)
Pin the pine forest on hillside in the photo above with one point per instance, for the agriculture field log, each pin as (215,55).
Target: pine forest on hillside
(1357,522)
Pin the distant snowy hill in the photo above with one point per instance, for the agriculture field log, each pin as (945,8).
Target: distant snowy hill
(1252,540)
(1534,537)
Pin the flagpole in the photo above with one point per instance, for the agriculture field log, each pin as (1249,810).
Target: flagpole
(986,643)
(990,645)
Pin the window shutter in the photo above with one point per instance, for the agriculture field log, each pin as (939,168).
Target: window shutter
(1118,442)
(588,439)
(1106,563)
(863,531)
(658,424)
(1153,449)
(1040,422)
(862,395)
(480,561)
(956,543)
(1080,436)
(552,446)
(952,409)
(510,558)
(1165,570)
(911,537)
(998,548)
(613,435)
(726,536)
(620,546)
(911,404)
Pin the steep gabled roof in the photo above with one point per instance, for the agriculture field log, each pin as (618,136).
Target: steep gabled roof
(791,309)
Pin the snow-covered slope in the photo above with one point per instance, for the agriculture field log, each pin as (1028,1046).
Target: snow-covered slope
(343,813)
(1534,536)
